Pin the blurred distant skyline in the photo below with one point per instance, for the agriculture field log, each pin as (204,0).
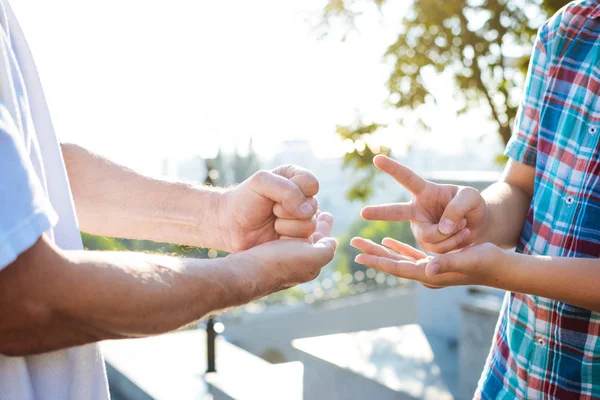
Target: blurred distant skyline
(141,81)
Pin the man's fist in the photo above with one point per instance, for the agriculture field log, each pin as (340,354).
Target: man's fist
(267,206)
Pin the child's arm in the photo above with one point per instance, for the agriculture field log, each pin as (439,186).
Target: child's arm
(507,202)
(571,280)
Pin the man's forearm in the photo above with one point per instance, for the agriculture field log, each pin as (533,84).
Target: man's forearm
(81,297)
(112,200)
(570,280)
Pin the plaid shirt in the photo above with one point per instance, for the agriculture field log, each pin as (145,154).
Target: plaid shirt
(547,349)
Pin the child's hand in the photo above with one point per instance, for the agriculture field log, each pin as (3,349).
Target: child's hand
(482,264)
(442,217)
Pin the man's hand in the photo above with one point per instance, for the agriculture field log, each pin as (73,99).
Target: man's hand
(281,264)
(442,217)
(267,206)
(482,264)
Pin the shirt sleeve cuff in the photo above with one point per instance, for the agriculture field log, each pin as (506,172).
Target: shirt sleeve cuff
(521,151)
(25,234)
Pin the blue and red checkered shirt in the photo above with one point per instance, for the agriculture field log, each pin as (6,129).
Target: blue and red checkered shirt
(545,348)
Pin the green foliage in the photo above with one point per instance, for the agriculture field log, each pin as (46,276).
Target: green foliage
(103,243)
(374,230)
(361,158)
(469,39)
(92,242)
(501,159)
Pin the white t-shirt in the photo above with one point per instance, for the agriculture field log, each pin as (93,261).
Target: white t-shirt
(35,198)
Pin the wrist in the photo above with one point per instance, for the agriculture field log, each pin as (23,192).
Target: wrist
(248,276)
(502,267)
(205,204)
(222,223)
(487,224)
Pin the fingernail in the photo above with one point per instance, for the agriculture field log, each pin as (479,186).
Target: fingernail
(306,209)
(433,268)
(463,223)
(356,259)
(446,226)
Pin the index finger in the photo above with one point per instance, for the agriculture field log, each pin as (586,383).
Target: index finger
(303,178)
(402,174)
(281,190)
(389,212)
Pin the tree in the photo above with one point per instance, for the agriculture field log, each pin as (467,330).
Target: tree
(470,39)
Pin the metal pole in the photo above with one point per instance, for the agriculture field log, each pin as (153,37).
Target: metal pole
(211,335)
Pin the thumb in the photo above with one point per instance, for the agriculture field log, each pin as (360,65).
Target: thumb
(323,251)
(327,243)
(453,218)
(459,261)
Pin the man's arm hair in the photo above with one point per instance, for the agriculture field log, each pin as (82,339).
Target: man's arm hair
(52,299)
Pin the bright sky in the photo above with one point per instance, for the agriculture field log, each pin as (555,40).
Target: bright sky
(140,80)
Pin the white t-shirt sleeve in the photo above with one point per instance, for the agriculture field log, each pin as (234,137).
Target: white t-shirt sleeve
(25,211)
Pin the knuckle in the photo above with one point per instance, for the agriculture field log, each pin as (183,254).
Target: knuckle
(469,191)
(283,169)
(315,185)
(311,184)
(468,196)
(259,176)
